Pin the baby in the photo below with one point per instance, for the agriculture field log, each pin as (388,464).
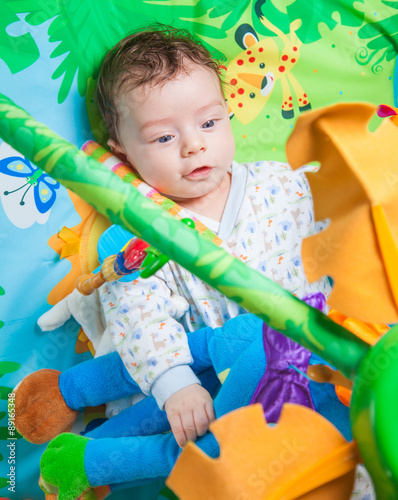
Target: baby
(161,97)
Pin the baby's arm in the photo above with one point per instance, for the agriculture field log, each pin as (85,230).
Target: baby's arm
(154,348)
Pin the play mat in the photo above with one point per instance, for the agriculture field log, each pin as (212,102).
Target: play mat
(322,52)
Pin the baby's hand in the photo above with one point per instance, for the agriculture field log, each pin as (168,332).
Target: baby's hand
(190,411)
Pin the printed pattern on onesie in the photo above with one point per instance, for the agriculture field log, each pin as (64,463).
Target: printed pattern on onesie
(276,215)
(148,319)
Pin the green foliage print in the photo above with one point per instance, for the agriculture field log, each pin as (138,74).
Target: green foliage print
(18,52)
(311,14)
(3,482)
(314,14)
(204,15)
(276,11)
(383,39)
(82,31)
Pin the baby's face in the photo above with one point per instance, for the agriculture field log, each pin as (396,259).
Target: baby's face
(178,136)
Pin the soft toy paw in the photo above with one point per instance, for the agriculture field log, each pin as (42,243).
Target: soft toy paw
(86,309)
(63,475)
(40,409)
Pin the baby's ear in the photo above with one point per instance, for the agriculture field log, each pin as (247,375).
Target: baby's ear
(117,150)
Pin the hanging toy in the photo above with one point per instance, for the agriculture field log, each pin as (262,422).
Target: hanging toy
(135,255)
(384,111)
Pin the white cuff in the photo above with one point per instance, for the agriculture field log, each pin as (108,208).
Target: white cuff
(171,381)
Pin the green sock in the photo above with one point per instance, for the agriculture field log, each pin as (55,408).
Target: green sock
(62,467)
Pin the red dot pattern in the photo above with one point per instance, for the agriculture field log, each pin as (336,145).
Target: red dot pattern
(281,68)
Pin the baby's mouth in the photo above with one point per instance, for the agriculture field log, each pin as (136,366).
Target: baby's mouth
(199,172)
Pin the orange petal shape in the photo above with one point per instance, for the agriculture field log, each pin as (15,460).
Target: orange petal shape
(359,170)
(302,457)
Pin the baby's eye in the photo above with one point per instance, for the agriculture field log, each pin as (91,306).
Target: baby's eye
(209,124)
(165,138)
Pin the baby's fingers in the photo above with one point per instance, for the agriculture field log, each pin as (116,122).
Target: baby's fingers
(177,429)
(203,416)
(209,407)
(189,425)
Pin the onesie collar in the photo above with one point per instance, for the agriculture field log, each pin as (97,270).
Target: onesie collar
(234,201)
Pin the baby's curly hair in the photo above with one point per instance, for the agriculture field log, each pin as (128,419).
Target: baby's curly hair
(152,56)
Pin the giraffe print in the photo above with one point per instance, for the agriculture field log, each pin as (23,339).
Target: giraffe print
(253,74)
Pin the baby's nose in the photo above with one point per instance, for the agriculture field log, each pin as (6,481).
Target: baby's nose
(193,145)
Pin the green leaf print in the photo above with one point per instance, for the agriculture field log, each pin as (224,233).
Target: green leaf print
(326,12)
(39,12)
(8,367)
(231,11)
(3,482)
(18,52)
(4,434)
(193,16)
(383,43)
(84,34)
(4,392)
(393,3)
